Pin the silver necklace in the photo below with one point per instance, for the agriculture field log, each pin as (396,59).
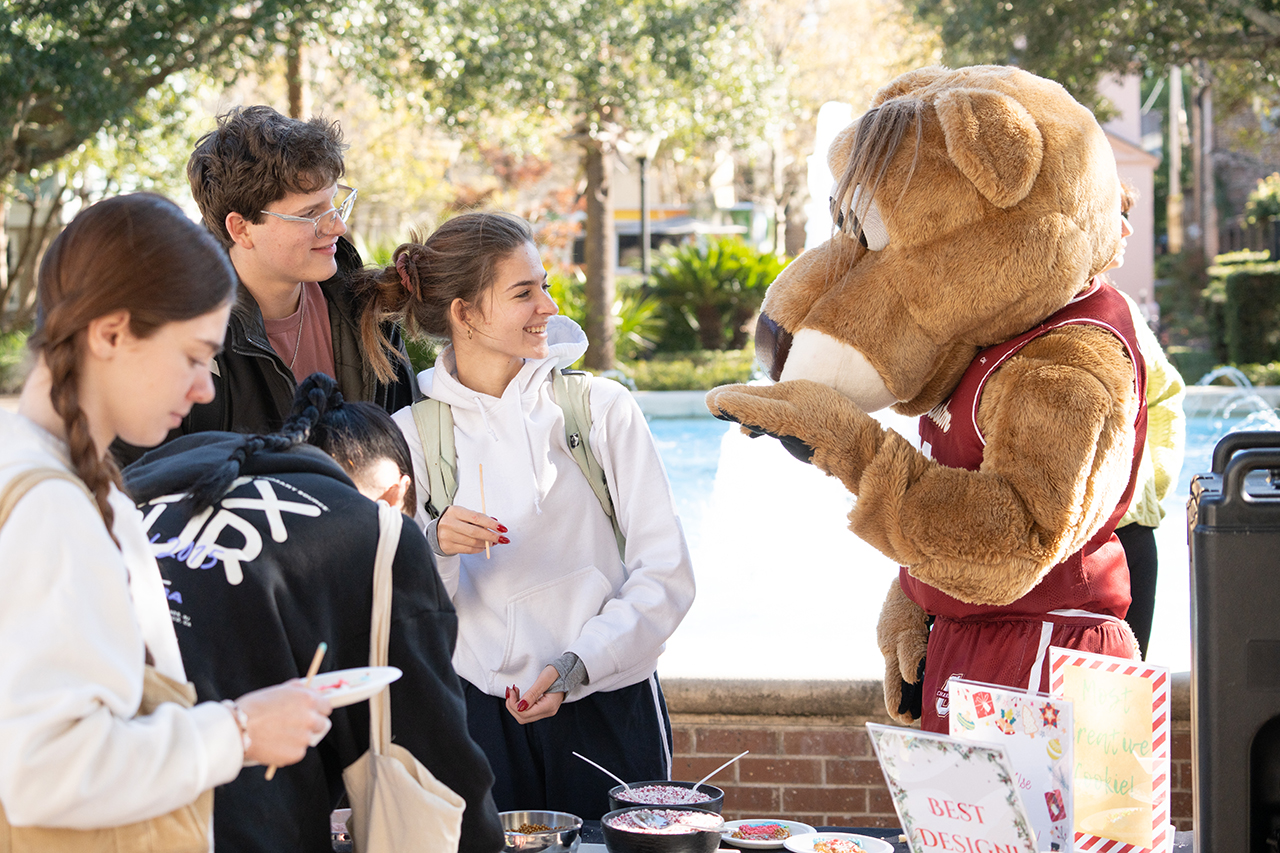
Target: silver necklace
(302,314)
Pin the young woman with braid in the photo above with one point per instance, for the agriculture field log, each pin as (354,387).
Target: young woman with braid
(558,633)
(97,727)
(267,546)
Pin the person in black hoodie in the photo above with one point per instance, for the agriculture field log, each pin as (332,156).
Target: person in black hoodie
(267,547)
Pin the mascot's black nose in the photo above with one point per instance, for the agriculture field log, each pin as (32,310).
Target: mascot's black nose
(772,345)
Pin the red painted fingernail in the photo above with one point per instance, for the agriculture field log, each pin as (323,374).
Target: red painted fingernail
(508,692)
(523,706)
(502,529)
(502,540)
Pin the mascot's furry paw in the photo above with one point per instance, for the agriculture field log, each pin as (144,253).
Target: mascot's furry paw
(813,421)
(903,632)
(794,446)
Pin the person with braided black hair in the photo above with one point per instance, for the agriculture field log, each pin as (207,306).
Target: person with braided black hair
(266,543)
(99,741)
(363,439)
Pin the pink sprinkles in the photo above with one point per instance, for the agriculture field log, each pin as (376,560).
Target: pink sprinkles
(662,795)
(681,822)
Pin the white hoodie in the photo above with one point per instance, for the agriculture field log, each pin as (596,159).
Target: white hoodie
(75,613)
(559,585)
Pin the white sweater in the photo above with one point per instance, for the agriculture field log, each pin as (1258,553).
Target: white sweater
(559,585)
(74,615)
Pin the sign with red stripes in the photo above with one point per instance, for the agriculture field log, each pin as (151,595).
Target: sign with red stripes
(1122,743)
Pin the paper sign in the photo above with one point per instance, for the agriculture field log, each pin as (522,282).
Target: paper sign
(1121,773)
(1035,731)
(951,795)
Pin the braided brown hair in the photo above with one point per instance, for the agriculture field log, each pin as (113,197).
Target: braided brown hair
(137,253)
(458,261)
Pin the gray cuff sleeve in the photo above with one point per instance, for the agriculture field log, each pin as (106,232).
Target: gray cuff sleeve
(433,538)
(573,672)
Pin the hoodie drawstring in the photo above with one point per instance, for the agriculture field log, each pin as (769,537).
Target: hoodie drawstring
(533,470)
(485,417)
(528,441)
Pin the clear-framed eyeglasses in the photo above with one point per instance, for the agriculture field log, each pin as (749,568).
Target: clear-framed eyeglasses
(326,223)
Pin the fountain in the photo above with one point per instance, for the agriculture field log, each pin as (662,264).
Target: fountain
(1260,414)
(1233,373)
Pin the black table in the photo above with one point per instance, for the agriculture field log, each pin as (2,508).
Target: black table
(592,834)
(1183,842)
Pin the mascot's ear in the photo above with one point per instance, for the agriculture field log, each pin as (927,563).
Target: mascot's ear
(993,141)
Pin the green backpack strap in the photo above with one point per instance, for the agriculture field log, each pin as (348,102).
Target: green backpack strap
(435,428)
(572,390)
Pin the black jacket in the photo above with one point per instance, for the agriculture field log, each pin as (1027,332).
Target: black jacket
(254,387)
(252,614)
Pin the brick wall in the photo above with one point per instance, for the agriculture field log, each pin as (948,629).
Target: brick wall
(811,759)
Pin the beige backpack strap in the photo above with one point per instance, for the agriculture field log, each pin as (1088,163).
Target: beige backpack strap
(572,390)
(435,430)
(18,487)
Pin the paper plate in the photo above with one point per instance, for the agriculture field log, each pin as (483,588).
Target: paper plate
(804,843)
(346,686)
(795,827)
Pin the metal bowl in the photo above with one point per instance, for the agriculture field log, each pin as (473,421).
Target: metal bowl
(564,835)
(715,804)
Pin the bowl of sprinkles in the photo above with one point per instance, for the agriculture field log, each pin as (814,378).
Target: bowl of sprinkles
(541,832)
(662,793)
(661,829)
(763,833)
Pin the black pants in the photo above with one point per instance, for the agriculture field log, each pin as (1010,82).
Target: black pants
(1140,551)
(626,730)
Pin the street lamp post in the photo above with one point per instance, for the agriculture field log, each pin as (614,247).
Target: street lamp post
(644,221)
(646,148)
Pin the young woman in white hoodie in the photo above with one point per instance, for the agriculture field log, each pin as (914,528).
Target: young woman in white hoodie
(97,732)
(558,633)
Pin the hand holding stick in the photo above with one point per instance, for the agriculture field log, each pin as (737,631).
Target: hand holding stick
(311,673)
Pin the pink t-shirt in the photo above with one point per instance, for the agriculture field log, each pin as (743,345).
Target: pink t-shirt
(304,339)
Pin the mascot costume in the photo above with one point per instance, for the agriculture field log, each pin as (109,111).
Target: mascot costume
(974,208)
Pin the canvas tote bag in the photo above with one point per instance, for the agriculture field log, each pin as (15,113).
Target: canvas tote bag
(396,804)
(184,830)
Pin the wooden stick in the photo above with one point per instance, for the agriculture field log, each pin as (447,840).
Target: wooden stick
(482,509)
(315,663)
(311,673)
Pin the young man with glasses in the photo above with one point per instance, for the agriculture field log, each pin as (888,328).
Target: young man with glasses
(268,188)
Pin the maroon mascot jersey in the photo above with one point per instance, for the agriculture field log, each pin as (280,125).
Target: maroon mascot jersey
(1082,601)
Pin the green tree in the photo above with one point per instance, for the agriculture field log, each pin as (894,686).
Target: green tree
(597,68)
(92,99)
(1264,201)
(69,67)
(636,317)
(710,292)
(145,150)
(1077,41)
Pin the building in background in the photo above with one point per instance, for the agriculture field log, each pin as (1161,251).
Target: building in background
(1137,168)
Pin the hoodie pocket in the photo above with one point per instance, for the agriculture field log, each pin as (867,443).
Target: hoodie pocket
(544,620)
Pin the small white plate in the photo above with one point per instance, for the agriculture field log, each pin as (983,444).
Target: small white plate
(795,827)
(347,686)
(804,843)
